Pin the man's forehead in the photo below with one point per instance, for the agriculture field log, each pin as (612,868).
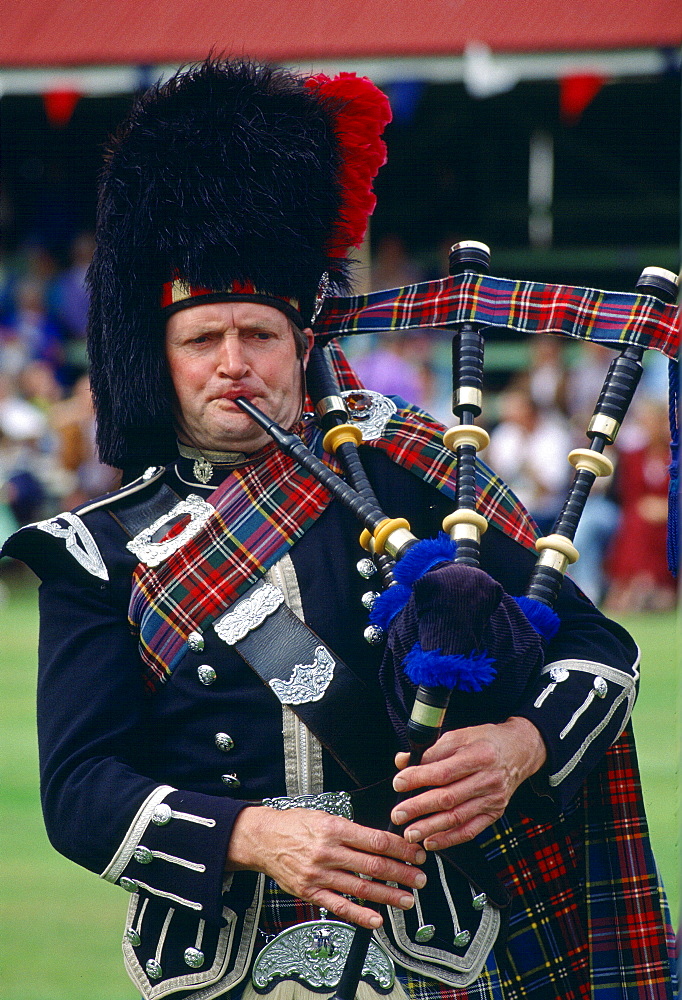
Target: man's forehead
(238,315)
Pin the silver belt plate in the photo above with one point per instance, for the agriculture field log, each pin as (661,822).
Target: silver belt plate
(314,953)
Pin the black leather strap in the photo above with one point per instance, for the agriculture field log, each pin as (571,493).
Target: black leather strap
(361,740)
(350,720)
(140,513)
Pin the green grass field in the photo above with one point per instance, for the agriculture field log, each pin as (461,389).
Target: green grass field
(61,926)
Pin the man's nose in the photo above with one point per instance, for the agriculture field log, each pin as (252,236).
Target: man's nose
(232,360)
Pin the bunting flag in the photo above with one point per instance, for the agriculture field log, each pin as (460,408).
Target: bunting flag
(60,104)
(576,92)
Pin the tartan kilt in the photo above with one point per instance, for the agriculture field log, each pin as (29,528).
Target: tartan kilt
(588,917)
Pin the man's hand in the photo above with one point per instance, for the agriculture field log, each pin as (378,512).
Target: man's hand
(470,774)
(319,858)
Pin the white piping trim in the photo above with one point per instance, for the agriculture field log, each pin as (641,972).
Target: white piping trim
(172,859)
(138,926)
(556,779)
(135,831)
(448,894)
(190,818)
(126,491)
(168,895)
(599,669)
(200,934)
(162,935)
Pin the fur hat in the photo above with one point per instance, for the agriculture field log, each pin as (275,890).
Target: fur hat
(231,180)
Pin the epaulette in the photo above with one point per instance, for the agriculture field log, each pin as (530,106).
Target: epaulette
(77,541)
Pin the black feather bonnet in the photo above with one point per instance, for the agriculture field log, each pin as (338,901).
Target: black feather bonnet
(231,175)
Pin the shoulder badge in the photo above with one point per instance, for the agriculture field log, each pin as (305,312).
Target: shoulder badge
(79,542)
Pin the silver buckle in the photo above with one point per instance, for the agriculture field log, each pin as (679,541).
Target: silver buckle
(314,954)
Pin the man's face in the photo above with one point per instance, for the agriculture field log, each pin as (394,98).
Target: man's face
(220,351)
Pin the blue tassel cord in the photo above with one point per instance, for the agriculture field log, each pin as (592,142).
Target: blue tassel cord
(421,558)
(544,620)
(432,668)
(424,556)
(388,604)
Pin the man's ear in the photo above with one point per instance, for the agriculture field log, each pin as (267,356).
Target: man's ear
(310,338)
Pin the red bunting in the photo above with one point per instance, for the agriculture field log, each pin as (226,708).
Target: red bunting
(60,105)
(577,91)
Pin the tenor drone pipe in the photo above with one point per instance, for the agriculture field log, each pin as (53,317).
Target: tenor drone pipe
(465,525)
(557,551)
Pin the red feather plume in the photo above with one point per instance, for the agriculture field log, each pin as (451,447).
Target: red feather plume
(362,112)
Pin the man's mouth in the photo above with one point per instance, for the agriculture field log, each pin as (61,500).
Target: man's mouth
(232,394)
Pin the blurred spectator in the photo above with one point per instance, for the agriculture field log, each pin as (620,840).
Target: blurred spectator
(548,373)
(19,419)
(436,393)
(22,428)
(390,368)
(32,479)
(584,381)
(71,292)
(599,520)
(72,299)
(637,561)
(29,332)
(38,385)
(392,266)
(585,377)
(528,450)
(73,420)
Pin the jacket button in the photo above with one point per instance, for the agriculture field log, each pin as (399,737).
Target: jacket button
(207,675)
(133,937)
(194,958)
(153,969)
(127,884)
(162,814)
(143,855)
(600,686)
(224,742)
(231,780)
(195,641)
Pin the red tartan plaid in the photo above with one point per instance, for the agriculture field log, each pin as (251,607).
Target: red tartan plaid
(588,917)
(611,318)
(260,511)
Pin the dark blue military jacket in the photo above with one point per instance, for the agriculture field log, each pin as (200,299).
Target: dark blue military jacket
(144,790)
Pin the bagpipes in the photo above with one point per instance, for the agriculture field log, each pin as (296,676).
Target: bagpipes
(646,321)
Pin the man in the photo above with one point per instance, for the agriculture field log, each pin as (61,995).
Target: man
(210,714)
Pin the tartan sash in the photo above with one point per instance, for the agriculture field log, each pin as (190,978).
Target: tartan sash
(261,510)
(614,319)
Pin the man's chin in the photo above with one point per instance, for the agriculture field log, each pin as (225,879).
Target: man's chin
(245,439)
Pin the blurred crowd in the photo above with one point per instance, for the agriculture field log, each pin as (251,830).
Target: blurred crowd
(537,411)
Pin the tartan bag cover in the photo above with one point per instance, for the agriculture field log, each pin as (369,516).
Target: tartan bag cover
(614,319)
